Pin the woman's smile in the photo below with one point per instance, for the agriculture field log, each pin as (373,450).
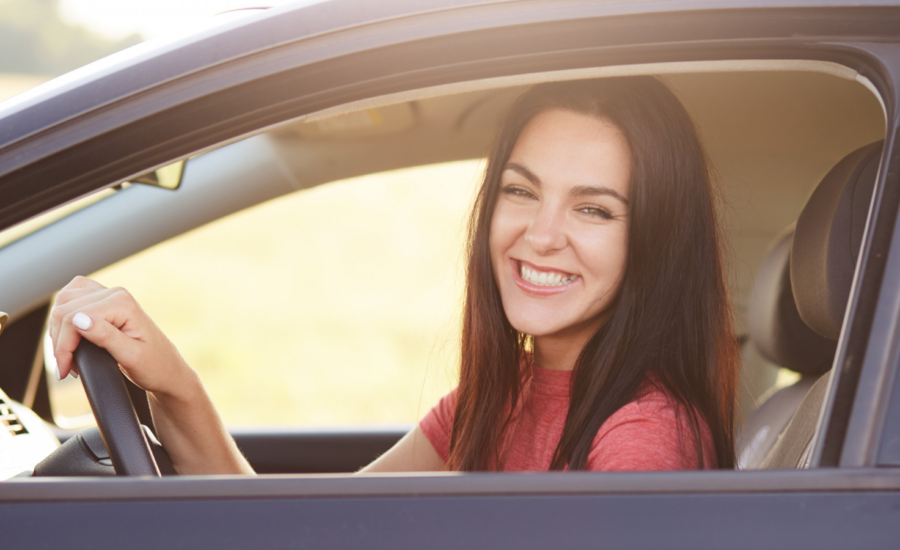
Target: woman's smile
(541,281)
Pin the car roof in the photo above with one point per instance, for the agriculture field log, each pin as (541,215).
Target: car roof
(157,61)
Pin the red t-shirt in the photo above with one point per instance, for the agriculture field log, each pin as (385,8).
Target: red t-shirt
(646,434)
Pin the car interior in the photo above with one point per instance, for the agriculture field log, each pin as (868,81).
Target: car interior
(795,148)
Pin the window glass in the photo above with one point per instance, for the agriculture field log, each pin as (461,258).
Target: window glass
(334,305)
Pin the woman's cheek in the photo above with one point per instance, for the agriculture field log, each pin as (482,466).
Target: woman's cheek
(497,240)
(604,251)
(507,223)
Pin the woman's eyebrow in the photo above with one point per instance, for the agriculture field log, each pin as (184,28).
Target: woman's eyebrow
(591,191)
(524,172)
(578,191)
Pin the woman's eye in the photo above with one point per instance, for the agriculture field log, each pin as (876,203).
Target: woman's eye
(597,212)
(516,191)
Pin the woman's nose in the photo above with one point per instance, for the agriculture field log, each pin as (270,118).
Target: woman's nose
(545,233)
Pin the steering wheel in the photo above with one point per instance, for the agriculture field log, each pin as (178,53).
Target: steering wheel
(116,418)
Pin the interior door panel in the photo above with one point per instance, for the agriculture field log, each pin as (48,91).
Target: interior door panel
(299,451)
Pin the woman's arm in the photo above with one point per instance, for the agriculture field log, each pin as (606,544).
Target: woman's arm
(186,420)
(413,453)
(190,429)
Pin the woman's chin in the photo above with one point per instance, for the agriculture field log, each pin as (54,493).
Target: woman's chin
(537,327)
(554,326)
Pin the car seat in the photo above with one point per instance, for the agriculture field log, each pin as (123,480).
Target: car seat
(781,337)
(826,245)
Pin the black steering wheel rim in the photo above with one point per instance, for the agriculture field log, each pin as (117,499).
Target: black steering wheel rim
(114,411)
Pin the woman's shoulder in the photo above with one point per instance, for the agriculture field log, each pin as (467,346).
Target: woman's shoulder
(651,399)
(437,425)
(652,432)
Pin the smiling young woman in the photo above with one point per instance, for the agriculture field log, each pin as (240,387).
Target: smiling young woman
(597,330)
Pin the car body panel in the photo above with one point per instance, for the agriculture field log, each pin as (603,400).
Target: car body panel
(819,520)
(298,450)
(820,509)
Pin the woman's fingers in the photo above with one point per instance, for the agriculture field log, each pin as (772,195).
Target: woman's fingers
(83,282)
(109,318)
(100,332)
(75,290)
(60,313)
(73,302)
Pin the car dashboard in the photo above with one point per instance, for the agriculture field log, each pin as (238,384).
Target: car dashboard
(25,439)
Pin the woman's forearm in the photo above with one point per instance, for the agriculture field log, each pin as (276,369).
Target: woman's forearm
(190,429)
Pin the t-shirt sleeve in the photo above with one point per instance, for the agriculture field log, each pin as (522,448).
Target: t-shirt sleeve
(648,436)
(438,423)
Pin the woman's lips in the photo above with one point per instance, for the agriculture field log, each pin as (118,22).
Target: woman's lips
(542,289)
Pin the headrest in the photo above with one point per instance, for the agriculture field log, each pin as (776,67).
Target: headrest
(828,237)
(775,326)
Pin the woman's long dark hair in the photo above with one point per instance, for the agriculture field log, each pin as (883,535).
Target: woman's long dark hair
(671,322)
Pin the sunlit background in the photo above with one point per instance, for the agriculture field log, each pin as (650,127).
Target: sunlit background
(334,305)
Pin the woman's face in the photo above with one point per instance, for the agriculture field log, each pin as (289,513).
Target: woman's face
(559,232)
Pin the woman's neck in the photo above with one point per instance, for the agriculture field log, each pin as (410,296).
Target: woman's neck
(560,351)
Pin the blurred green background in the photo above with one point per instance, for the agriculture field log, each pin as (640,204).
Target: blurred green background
(334,305)
(35,39)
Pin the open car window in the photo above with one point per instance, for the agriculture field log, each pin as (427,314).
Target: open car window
(339,303)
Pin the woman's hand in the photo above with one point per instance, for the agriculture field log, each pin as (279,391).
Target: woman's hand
(186,420)
(112,319)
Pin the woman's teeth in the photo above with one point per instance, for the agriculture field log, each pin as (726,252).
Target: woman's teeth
(545,278)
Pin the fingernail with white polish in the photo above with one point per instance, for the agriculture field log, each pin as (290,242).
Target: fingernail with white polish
(58,377)
(82,321)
